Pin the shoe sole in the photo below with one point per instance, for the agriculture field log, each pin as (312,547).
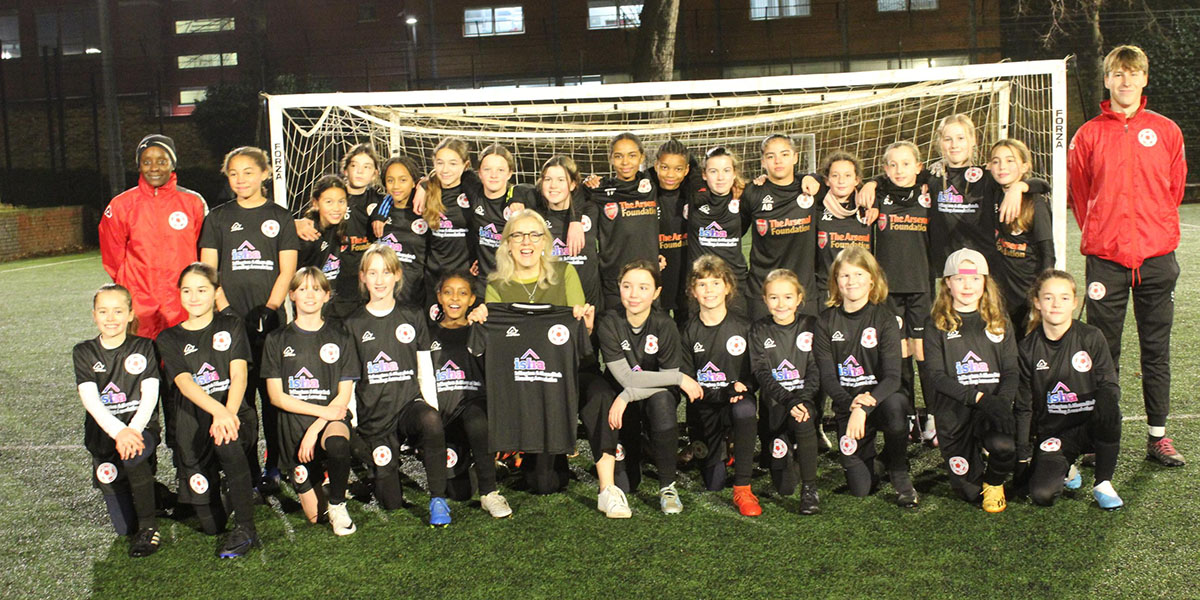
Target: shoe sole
(1164,462)
(352,529)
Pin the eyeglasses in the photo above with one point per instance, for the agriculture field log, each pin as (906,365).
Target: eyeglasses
(526,236)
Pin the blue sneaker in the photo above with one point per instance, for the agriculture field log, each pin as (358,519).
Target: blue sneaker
(1107,497)
(439,512)
(1073,480)
(238,543)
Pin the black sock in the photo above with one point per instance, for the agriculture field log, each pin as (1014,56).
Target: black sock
(141,486)
(337,449)
(212,517)
(241,486)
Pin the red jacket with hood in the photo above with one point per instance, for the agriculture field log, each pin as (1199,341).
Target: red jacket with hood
(1126,178)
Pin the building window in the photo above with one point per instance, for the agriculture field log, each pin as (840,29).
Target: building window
(366,13)
(906,5)
(77,28)
(763,10)
(10,35)
(204,25)
(612,14)
(201,61)
(192,95)
(500,20)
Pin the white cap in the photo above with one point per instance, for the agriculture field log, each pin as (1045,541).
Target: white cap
(965,254)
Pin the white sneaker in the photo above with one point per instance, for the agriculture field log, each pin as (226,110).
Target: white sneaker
(929,431)
(339,518)
(496,505)
(668,499)
(611,501)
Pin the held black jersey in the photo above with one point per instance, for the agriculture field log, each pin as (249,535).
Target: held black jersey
(1021,256)
(716,225)
(531,357)
(628,224)
(970,359)
(118,374)
(858,352)
(310,365)
(833,236)
(783,362)
(717,356)
(587,261)
(459,374)
(654,346)
(487,222)
(205,354)
(449,246)
(1061,380)
(387,349)
(248,242)
(408,234)
(783,232)
(902,237)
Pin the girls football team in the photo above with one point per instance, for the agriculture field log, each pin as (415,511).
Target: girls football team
(383,272)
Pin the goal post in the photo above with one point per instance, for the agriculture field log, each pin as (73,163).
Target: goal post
(861,112)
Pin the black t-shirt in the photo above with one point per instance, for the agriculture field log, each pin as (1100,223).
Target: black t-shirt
(716,356)
(628,225)
(248,242)
(1061,381)
(326,254)
(310,365)
(531,357)
(459,374)
(205,354)
(587,261)
(451,246)
(858,352)
(968,360)
(387,349)
(715,226)
(408,234)
(783,233)
(672,242)
(359,210)
(963,216)
(833,236)
(487,222)
(1021,253)
(902,237)
(783,362)
(654,346)
(118,374)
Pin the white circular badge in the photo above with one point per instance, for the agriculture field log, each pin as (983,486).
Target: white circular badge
(420,226)
(382,455)
(804,341)
(619,453)
(221,341)
(869,338)
(1051,445)
(463,202)
(330,353)
(178,220)
(106,472)
(995,337)
(1096,290)
(198,483)
(959,465)
(270,228)
(805,201)
(735,205)
(1082,361)
(586,221)
(1147,137)
(848,445)
(406,333)
(735,345)
(451,458)
(651,344)
(644,186)
(135,364)
(300,474)
(973,174)
(779,448)
(559,334)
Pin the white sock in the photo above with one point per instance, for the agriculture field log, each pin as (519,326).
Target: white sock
(1158,431)
(1105,487)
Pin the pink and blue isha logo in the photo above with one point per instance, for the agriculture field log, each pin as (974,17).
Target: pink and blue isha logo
(489,236)
(382,364)
(559,248)
(1061,394)
(303,380)
(113,395)
(713,230)
(529,361)
(392,242)
(710,374)
(850,368)
(206,375)
(246,252)
(786,371)
(949,196)
(971,363)
(450,372)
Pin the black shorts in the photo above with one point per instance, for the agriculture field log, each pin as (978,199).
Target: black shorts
(108,470)
(913,310)
(196,461)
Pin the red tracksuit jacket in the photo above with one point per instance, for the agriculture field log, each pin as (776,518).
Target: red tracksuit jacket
(147,237)
(1126,178)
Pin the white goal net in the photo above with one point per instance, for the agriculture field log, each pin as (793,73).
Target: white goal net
(859,112)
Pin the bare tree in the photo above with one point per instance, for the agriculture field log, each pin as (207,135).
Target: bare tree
(654,58)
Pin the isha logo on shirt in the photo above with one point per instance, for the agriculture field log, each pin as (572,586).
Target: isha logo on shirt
(972,370)
(531,367)
(303,380)
(951,201)
(332,266)
(714,236)
(248,258)
(382,369)
(788,376)
(850,368)
(1062,401)
(446,228)
(451,377)
(710,376)
(390,240)
(210,380)
(488,236)
(113,395)
(559,248)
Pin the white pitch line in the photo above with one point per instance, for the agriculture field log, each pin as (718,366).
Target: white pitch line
(419,470)
(53,264)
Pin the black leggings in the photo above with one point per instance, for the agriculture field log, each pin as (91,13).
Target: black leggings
(963,434)
(794,445)
(711,420)
(1053,457)
(421,423)
(471,423)
(889,417)
(232,458)
(652,418)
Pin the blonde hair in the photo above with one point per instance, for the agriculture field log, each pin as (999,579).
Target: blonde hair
(1131,58)
(433,187)
(1024,220)
(1035,316)
(916,152)
(991,307)
(314,273)
(785,275)
(391,262)
(857,256)
(958,119)
(505,266)
(711,266)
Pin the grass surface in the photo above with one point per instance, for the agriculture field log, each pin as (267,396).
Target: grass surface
(57,541)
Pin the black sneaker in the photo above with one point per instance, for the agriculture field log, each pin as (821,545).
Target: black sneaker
(145,543)
(810,503)
(238,543)
(269,484)
(907,496)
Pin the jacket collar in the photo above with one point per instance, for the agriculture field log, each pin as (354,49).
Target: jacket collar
(149,190)
(1106,110)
